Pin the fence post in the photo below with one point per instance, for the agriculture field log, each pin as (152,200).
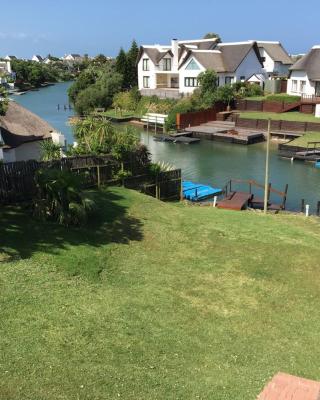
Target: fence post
(181,190)
(318,209)
(98,175)
(302,205)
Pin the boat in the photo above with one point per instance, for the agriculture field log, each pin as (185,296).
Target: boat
(198,192)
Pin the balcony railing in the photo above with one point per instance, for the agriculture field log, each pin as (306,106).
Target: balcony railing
(310,98)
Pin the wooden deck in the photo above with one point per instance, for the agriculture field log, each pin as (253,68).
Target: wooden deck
(225,131)
(236,201)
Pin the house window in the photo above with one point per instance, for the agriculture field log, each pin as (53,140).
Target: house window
(146,82)
(242,78)
(191,82)
(167,64)
(192,66)
(294,87)
(302,86)
(228,80)
(145,64)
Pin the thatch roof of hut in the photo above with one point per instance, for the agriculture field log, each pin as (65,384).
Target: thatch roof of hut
(20,125)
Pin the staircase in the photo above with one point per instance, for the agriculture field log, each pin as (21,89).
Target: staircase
(291,106)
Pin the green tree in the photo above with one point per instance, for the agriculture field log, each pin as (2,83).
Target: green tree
(3,101)
(208,81)
(121,66)
(132,71)
(212,35)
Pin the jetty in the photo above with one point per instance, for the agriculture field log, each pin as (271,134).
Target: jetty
(225,131)
(240,200)
(197,192)
(311,153)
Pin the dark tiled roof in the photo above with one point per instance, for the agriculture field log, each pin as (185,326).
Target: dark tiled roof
(309,63)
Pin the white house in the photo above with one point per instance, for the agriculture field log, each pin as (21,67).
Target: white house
(172,71)
(37,58)
(72,58)
(276,60)
(5,67)
(10,58)
(21,133)
(305,75)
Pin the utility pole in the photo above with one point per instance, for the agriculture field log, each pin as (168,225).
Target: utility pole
(266,182)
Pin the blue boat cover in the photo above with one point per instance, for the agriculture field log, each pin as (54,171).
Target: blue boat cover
(197,192)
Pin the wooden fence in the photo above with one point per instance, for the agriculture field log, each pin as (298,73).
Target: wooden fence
(280,125)
(17,181)
(263,106)
(195,118)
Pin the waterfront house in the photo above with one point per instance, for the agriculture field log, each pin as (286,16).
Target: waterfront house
(74,58)
(172,71)
(21,133)
(10,58)
(305,75)
(276,60)
(37,58)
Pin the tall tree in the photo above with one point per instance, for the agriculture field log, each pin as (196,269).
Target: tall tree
(132,71)
(121,67)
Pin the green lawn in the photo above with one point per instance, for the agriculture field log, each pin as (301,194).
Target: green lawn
(113,114)
(288,116)
(156,301)
(303,140)
(276,97)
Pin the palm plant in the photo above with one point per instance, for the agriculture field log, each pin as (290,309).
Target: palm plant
(49,150)
(60,197)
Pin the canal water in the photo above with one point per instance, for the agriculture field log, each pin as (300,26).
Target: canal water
(207,162)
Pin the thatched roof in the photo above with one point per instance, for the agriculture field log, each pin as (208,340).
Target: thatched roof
(309,63)
(20,125)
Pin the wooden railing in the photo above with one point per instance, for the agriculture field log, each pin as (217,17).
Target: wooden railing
(310,98)
(252,183)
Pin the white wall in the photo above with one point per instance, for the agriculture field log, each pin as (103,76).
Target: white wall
(300,76)
(25,152)
(249,66)
(269,64)
(186,73)
(150,73)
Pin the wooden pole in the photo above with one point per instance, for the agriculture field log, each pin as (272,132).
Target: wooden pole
(98,175)
(266,181)
(181,190)
(302,205)
(318,208)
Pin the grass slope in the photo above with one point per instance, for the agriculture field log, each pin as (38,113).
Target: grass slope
(156,301)
(289,116)
(303,141)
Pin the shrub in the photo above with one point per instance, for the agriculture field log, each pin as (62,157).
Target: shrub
(49,150)
(183,106)
(60,197)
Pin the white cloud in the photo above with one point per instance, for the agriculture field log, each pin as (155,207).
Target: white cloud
(22,36)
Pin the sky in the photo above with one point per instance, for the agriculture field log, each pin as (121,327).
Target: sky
(59,27)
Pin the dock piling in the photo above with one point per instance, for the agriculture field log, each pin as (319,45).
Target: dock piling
(318,209)
(302,205)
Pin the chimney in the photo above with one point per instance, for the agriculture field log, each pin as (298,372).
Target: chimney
(175,52)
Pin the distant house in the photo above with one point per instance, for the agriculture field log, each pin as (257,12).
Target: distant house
(10,58)
(5,67)
(276,60)
(73,58)
(21,133)
(172,71)
(305,75)
(37,58)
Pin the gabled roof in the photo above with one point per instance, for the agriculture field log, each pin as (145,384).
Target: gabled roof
(276,52)
(309,63)
(235,53)
(20,125)
(208,59)
(225,58)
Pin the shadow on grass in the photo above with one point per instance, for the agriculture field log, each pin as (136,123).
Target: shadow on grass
(21,235)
